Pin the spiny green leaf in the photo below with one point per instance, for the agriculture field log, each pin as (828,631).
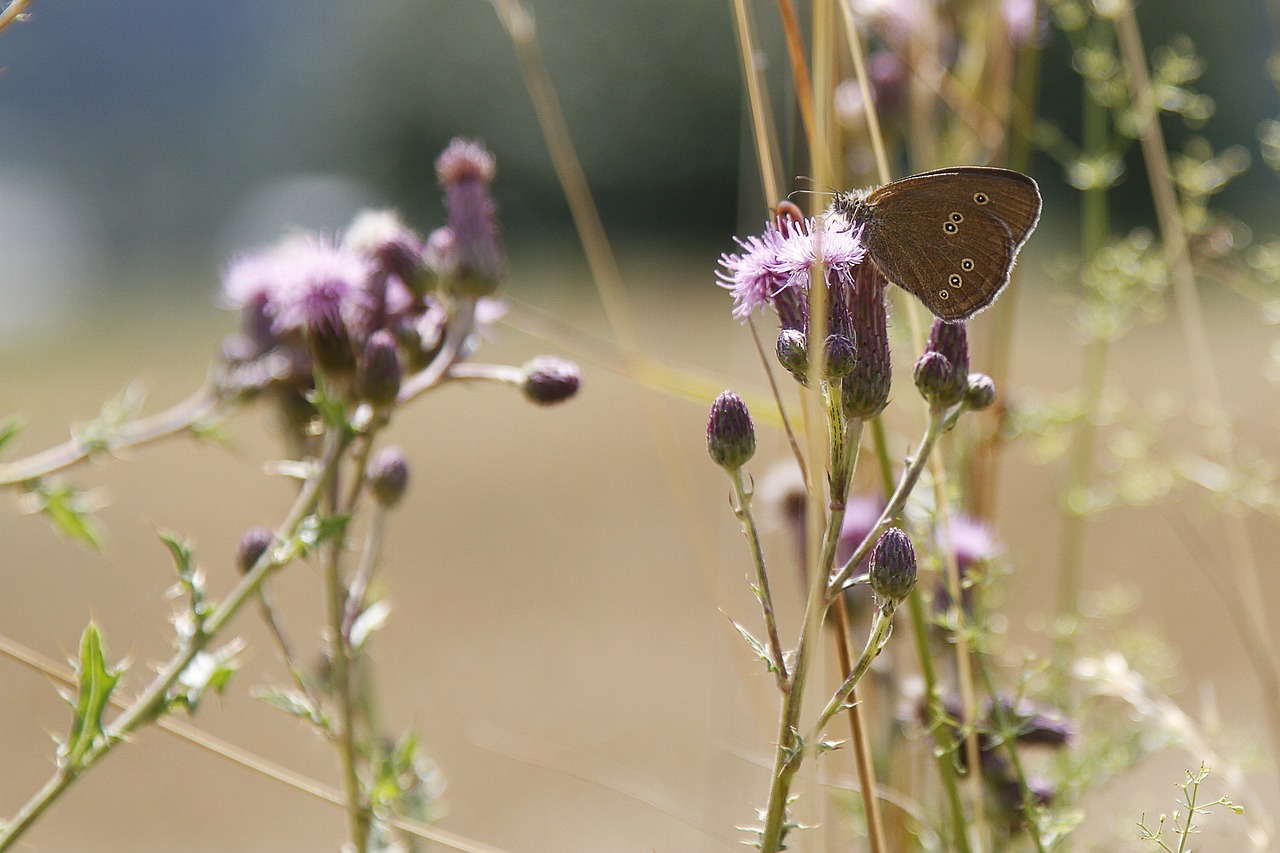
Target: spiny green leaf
(179,550)
(757,646)
(68,510)
(95,682)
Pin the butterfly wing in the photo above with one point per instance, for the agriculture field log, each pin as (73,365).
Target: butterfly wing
(951,236)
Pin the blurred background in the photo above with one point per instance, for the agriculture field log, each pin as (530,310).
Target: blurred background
(557,633)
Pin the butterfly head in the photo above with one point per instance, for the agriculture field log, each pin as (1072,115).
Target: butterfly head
(852,207)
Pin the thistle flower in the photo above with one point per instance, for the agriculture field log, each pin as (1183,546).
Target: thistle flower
(773,270)
(731,436)
(465,170)
(972,543)
(549,380)
(395,248)
(250,283)
(324,294)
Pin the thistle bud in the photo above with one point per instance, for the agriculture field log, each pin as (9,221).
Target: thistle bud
(378,378)
(981,392)
(865,391)
(252,545)
(549,380)
(945,387)
(793,354)
(731,437)
(841,356)
(388,475)
(893,566)
(935,377)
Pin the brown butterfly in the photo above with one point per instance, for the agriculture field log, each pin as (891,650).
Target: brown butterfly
(949,236)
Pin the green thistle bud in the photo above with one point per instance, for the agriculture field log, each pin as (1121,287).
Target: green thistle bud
(841,356)
(793,354)
(981,392)
(731,437)
(935,377)
(893,565)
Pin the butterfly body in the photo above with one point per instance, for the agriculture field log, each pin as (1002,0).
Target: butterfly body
(949,236)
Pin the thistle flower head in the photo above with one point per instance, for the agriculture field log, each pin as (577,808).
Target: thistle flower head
(773,269)
(466,169)
(731,436)
(395,249)
(793,354)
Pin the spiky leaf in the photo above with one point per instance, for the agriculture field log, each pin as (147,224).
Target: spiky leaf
(95,682)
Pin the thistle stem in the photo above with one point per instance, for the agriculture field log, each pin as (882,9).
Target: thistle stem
(150,704)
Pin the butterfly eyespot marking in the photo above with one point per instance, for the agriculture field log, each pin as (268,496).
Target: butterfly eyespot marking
(980,198)
(956,216)
(954,280)
(967,265)
(950,227)
(944,295)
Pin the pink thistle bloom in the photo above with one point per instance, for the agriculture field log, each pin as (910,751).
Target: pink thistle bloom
(773,268)
(324,287)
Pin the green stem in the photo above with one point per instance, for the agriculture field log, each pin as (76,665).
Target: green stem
(881,627)
(789,755)
(742,510)
(336,598)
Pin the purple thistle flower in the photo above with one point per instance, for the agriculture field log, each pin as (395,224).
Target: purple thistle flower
(971,540)
(395,248)
(395,252)
(773,268)
(250,282)
(323,286)
(326,296)
(465,170)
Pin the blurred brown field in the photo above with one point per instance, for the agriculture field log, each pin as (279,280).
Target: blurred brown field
(558,633)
